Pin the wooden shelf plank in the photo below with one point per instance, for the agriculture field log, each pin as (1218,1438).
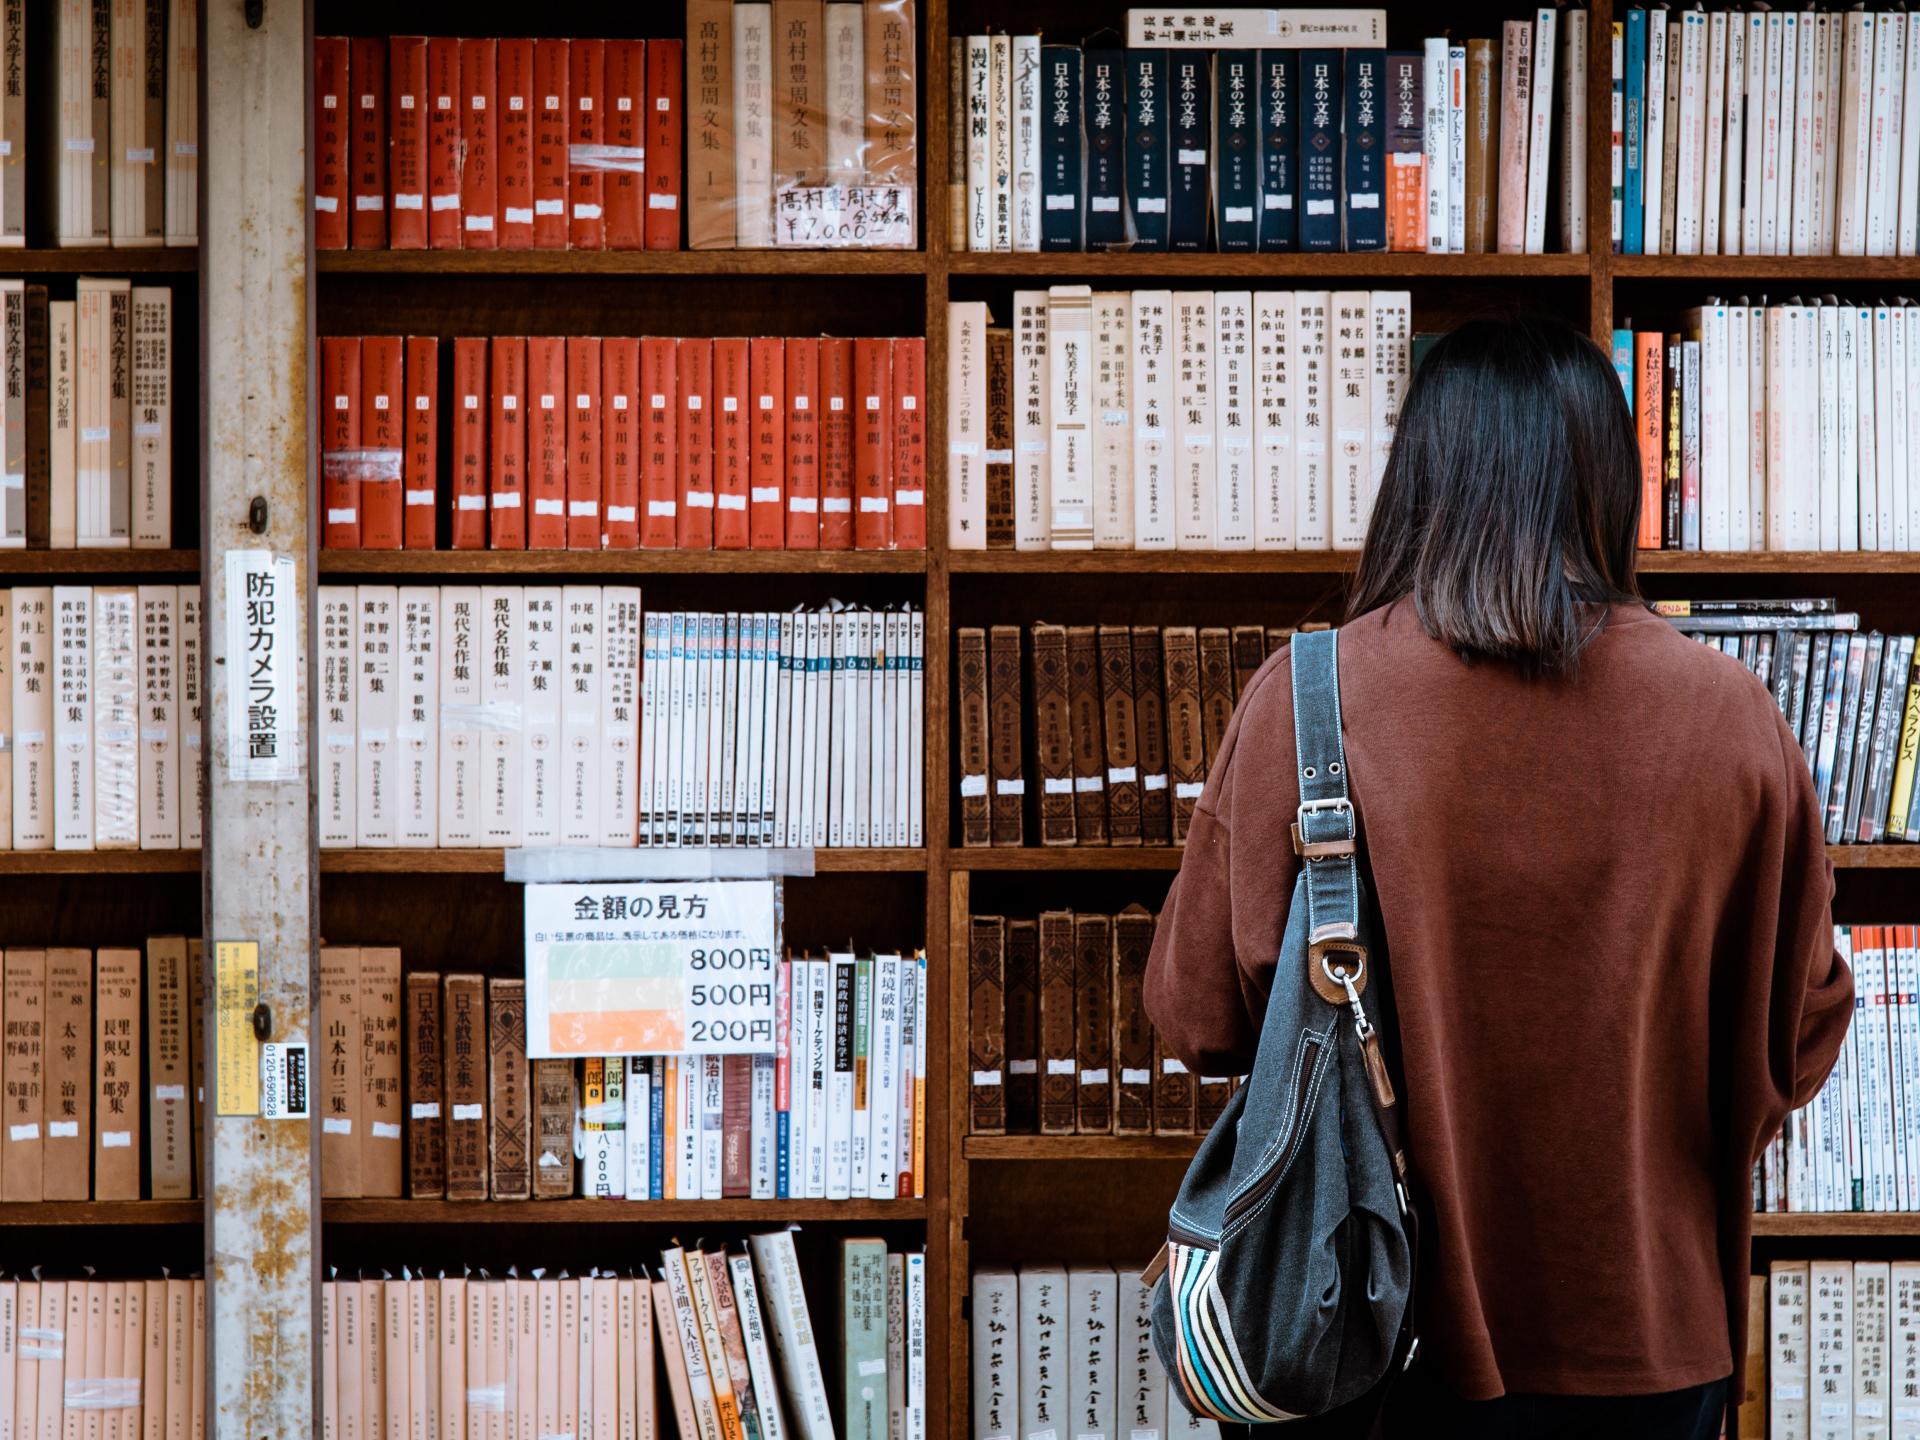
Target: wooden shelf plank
(493,861)
(1874,857)
(1094,265)
(1079,1147)
(1233,562)
(613,1212)
(637,563)
(99,562)
(102,1212)
(101,260)
(621,262)
(1165,857)
(1855,269)
(99,862)
(1841,1223)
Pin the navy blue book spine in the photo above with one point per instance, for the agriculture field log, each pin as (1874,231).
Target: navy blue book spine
(1320,150)
(1192,120)
(1236,143)
(1147,132)
(1365,146)
(1063,187)
(1279,149)
(1106,149)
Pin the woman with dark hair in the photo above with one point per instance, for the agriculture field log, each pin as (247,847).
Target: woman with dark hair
(1604,890)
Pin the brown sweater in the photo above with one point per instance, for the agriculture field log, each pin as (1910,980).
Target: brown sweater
(1607,904)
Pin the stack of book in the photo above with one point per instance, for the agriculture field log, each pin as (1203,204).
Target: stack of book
(1834,1349)
(1173,419)
(507,715)
(586,443)
(1777,426)
(465,1358)
(126,1355)
(1204,133)
(1091,1323)
(1853,699)
(86,451)
(486,144)
(1763,131)
(427,1090)
(1058,1039)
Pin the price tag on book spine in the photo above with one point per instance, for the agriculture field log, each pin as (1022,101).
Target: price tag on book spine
(862,217)
(651,968)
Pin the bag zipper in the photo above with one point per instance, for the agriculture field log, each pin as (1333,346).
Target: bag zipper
(1256,1190)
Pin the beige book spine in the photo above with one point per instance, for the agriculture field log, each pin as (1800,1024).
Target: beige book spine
(6,723)
(396,1339)
(183,123)
(69,1092)
(26,1379)
(9,1354)
(170,1164)
(709,110)
(330,1360)
(666,1322)
(79,1359)
(150,379)
(526,1355)
(62,434)
(453,1359)
(50,1403)
(341,1080)
(383,1157)
(193,771)
(30,674)
(352,1366)
(153,1363)
(197,1060)
(197,1362)
(117,1128)
(23,1003)
(606,1368)
(180,1309)
(546,1399)
(373,1362)
(568,1368)
(116,716)
(159,717)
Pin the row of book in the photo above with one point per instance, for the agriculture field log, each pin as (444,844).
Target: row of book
(586,443)
(1833,1351)
(1090,1325)
(1445,149)
(1124,722)
(1762,131)
(731,1328)
(99,1052)
(1058,1039)
(86,448)
(504,715)
(101,690)
(109,1357)
(1777,426)
(427,1083)
(124,125)
(1173,419)
(489,144)
(1857,1145)
(1853,700)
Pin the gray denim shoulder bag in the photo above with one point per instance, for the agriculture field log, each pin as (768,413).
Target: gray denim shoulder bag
(1286,1284)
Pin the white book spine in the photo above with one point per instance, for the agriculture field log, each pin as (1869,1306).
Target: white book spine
(1540,130)
(839,1126)
(820,709)
(1830,1391)
(1827,318)
(583,763)
(416,726)
(1758,471)
(1000,138)
(338,786)
(619,715)
(1856,131)
(1807,96)
(1392,359)
(1234,488)
(1817,202)
(1871,1342)
(1069,415)
(819,1074)
(72,660)
(753,86)
(967,425)
(1806,397)
(1351,414)
(28,668)
(1847,425)
(1093,1306)
(116,714)
(753,1330)
(637,1099)
(376,655)
(193,769)
(1433,143)
(152,411)
(1759,42)
(1152,395)
(761,1176)
(916,1406)
(159,718)
(777,1269)
(1313,473)
(1653,132)
(1734,149)
(1692,118)
(1026,142)
(1715,482)
(1273,327)
(1712,158)
(1769,118)
(462,638)
(62,429)
(685,1103)
(1788,1370)
(1789,100)
(502,689)
(1737,432)
(1830,181)
(1897,423)
(1883,150)
(1910,506)
(1907,232)
(1194,420)
(883,1080)
(1904,1342)
(916,729)
(1113,421)
(1456,149)
(1779,353)
(540,763)
(979,110)
(712,1072)
(1143,1384)
(183,123)
(1042,1292)
(1032,430)
(1871,335)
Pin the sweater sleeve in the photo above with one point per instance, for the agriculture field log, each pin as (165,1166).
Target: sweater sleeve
(1219,933)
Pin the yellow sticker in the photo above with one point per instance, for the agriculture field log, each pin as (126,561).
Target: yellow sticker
(236,1053)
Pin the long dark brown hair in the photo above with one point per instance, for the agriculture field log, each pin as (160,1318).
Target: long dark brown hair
(1511,499)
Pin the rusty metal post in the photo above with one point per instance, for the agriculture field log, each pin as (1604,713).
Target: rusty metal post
(262,1213)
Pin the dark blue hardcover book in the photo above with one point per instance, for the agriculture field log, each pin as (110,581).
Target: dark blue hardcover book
(1320,150)
(1106,149)
(657,1134)
(1365,148)
(1147,132)
(1192,122)
(1236,140)
(1279,149)
(1063,187)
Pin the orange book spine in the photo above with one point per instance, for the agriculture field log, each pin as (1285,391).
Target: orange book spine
(550,131)
(515,151)
(340,442)
(422,428)
(470,444)
(620,475)
(624,133)
(583,443)
(1647,361)
(659,465)
(872,489)
(480,144)
(696,445)
(767,442)
(664,125)
(1407,202)
(730,444)
(836,444)
(507,445)
(382,386)
(443,142)
(367,70)
(586,166)
(803,444)
(332,129)
(909,457)
(546,442)
(407,141)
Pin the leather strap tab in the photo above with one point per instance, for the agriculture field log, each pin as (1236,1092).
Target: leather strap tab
(1326,829)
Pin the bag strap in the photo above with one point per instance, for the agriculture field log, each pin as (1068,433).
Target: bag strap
(1325,830)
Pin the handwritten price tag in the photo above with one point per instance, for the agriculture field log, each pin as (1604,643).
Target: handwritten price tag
(847,217)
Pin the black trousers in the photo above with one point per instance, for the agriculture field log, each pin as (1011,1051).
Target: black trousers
(1421,1408)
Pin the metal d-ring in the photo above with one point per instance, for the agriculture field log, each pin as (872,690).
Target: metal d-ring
(1343,978)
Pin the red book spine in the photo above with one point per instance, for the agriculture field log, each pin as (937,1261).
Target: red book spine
(583,443)
(382,388)
(508,444)
(696,445)
(767,516)
(332,128)
(730,444)
(407,145)
(620,395)
(516,145)
(623,134)
(470,444)
(586,173)
(872,436)
(664,125)
(340,441)
(910,443)
(836,444)
(550,131)
(736,1127)
(443,143)
(480,148)
(803,445)
(547,442)
(367,70)
(423,438)
(659,464)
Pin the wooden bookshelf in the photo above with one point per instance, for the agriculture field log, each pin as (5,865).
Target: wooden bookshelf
(493,862)
(618,565)
(64,1213)
(1079,1147)
(618,1212)
(98,564)
(1166,857)
(99,862)
(101,260)
(1293,268)
(1340,562)
(578,263)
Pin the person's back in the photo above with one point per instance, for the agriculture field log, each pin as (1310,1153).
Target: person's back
(1604,890)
